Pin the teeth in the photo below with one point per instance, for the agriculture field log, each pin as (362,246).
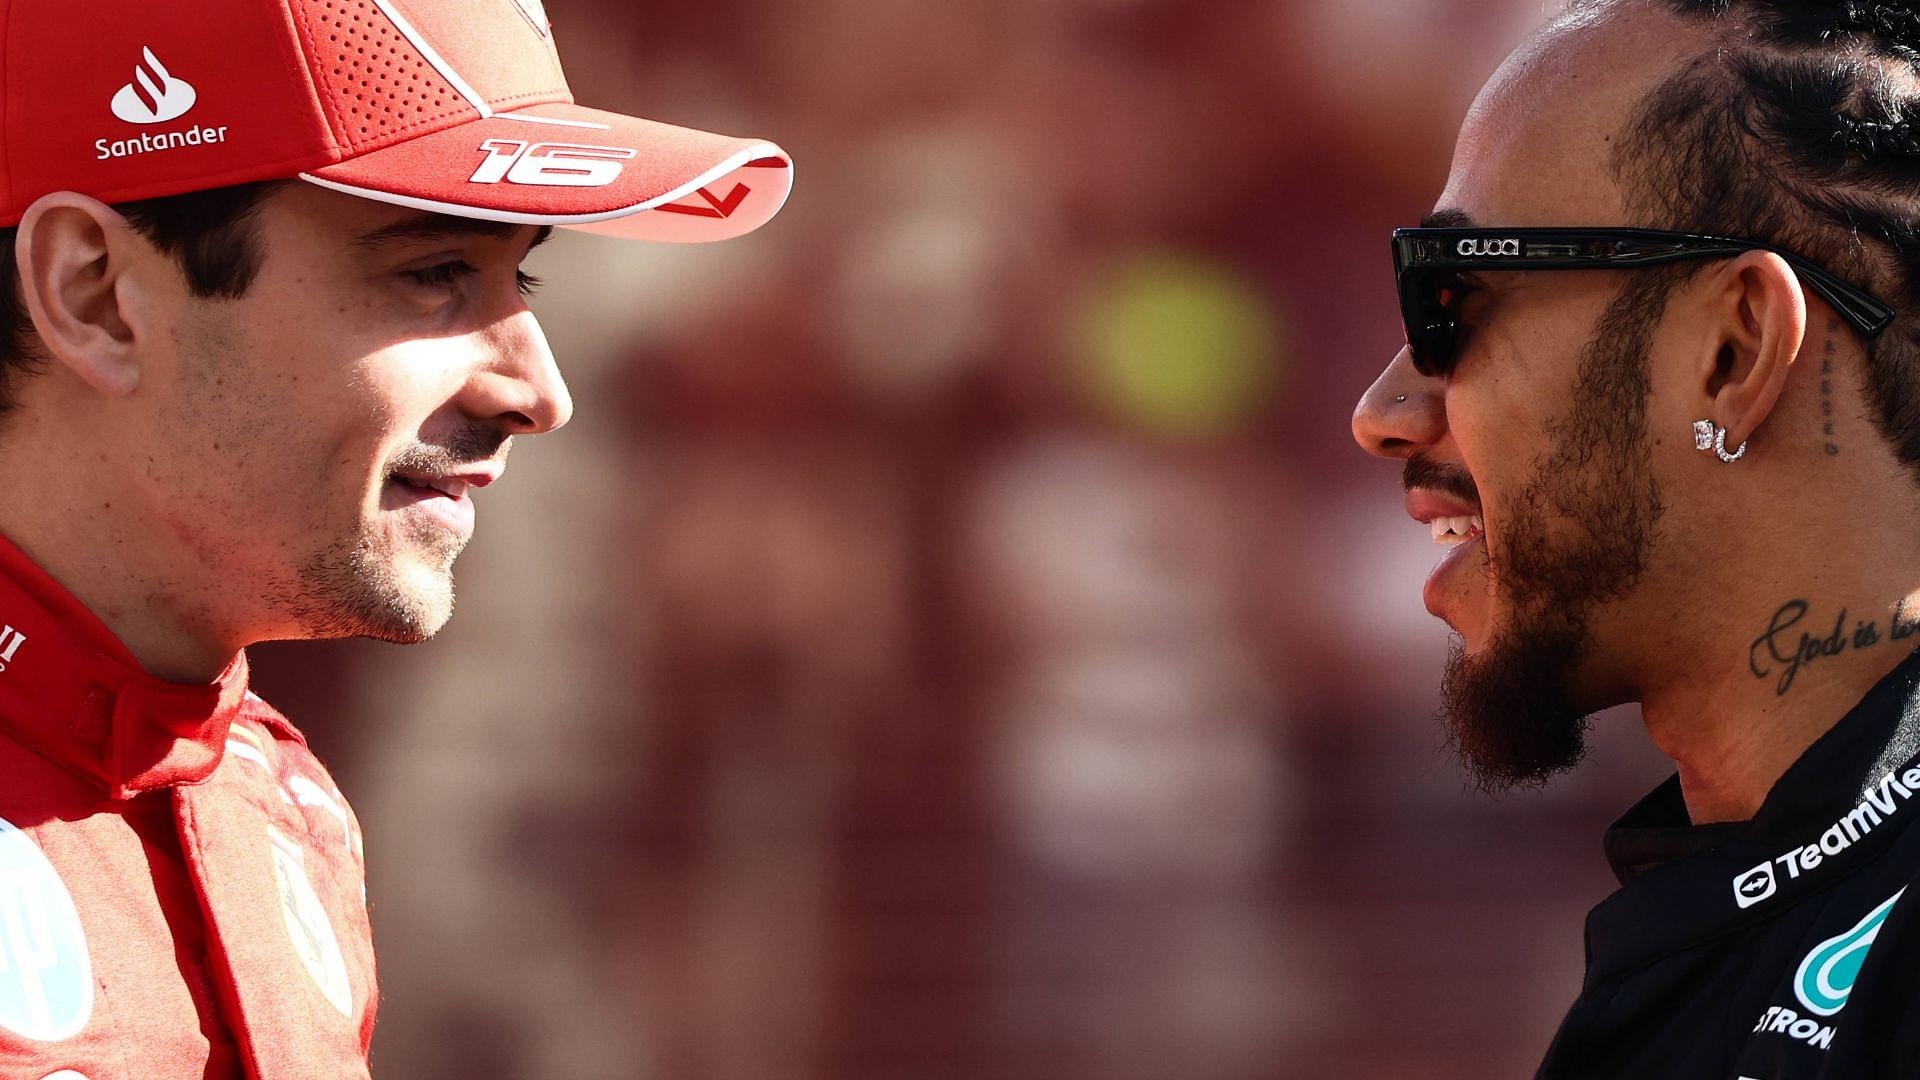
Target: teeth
(1453,530)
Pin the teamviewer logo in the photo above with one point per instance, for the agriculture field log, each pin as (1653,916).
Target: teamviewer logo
(1755,885)
(154,96)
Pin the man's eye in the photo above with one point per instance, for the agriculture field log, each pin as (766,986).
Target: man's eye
(1453,293)
(445,273)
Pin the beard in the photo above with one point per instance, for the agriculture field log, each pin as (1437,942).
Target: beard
(363,588)
(1577,536)
(380,584)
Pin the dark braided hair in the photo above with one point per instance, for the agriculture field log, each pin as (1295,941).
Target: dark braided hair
(1801,127)
(208,233)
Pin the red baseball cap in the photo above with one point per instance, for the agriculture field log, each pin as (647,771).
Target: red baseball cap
(457,106)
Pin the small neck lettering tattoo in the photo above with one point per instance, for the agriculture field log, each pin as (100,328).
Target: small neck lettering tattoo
(1784,648)
(1826,390)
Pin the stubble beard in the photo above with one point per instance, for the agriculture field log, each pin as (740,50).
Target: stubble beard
(392,584)
(1577,536)
(363,587)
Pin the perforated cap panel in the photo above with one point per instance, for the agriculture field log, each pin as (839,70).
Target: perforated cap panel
(401,101)
(379,88)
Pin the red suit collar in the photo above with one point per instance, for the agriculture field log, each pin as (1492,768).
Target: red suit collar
(71,691)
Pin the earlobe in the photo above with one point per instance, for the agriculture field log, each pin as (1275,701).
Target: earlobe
(1763,322)
(73,253)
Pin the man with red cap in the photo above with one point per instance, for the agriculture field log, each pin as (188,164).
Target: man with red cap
(263,333)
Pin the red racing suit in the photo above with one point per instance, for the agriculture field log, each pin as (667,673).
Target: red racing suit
(181,884)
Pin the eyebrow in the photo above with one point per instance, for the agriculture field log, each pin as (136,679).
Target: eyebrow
(1448,218)
(434,226)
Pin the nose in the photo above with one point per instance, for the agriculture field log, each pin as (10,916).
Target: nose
(520,387)
(1403,411)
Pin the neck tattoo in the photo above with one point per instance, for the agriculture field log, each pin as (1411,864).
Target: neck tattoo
(1785,646)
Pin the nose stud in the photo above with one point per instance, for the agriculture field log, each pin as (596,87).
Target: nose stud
(1400,399)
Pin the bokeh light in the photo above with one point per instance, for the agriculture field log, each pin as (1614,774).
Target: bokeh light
(1179,345)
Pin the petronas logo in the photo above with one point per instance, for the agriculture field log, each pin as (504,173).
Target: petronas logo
(1826,976)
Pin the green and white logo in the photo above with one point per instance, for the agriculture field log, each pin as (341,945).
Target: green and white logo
(1826,976)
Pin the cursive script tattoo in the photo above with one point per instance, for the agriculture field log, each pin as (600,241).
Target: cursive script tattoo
(1784,649)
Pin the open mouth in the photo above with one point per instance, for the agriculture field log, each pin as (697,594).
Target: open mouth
(1457,525)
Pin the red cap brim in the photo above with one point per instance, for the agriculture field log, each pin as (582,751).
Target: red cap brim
(567,165)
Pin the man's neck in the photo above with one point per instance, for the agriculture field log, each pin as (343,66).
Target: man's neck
(83,538)
(1782,673)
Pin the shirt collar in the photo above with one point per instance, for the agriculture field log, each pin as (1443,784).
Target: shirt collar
(72,691)
(1844,801)
(1875,736)
(1657,830)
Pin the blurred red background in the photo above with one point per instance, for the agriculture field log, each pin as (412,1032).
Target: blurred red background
(958,636)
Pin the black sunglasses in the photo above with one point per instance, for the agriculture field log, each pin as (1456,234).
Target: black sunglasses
(1425,262)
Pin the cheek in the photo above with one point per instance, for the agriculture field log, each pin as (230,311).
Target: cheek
(1495,419)
(1492,418)
(276,429)
(399,388)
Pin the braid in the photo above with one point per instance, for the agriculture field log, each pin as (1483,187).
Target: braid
(1888,27)
(1894,23)
(1874,139)
(1801,127)
(1831,121)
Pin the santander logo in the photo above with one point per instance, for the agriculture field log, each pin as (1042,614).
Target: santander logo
(154,96)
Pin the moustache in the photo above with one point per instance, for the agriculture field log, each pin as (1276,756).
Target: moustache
(1423,472)
(467,447)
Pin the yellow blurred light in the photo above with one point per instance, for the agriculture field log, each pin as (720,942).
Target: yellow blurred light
(1179,345)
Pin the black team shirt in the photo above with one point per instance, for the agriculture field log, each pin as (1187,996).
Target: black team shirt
(1781,948)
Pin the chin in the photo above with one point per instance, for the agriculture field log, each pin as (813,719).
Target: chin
(423,604)
(356,591)
(1510,712)
(1474,631)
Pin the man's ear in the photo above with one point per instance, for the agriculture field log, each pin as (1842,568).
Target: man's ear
(74,254)
(1757,315)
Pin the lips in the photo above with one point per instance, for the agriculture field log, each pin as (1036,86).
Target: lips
(454,482)
(1458,525)
(442,497)
(446,485)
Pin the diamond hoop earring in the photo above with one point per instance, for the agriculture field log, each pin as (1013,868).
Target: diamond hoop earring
(1708,435)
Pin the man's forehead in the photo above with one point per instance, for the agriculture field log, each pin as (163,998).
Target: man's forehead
(1536,146)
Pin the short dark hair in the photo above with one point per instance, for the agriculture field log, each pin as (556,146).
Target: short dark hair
(1789,129)
(209,233)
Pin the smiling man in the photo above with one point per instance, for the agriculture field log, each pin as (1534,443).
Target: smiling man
(1661,397)
(263,334)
